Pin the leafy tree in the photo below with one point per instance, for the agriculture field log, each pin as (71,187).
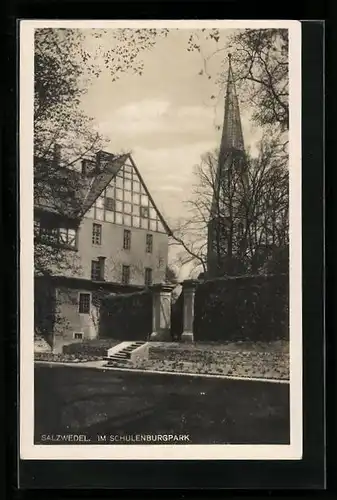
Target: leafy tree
(66,61)
(260,64)
(260,58)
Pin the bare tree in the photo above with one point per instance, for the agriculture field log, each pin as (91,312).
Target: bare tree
(243,217)
(65,63)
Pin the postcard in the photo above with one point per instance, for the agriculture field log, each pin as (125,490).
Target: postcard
(160,228)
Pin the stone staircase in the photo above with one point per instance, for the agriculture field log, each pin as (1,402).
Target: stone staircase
(122,353)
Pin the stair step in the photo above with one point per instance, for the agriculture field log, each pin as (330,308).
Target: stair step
(124,354)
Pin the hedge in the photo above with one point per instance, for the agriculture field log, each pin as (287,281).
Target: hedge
(253,308)
(127,316)
(65,358)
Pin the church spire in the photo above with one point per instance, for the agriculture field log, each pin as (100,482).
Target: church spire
(232,137)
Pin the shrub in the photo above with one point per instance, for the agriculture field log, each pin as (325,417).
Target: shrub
(64,358)
(251,308)
(96,348)
(127,316)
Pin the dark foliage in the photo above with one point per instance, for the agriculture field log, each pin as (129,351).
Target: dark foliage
(246,308)
(127,316)
(89,349)
(44,308)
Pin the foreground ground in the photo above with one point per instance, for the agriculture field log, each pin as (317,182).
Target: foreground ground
(92,402)
(267,360)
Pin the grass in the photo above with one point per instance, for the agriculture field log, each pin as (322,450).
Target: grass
(278,346)
(269,360)
(240,359)
(83,400)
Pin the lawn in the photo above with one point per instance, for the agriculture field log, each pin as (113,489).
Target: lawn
(266,360)
(234,359)
(91,402)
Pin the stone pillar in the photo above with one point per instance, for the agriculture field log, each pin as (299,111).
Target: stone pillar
(161,312)
(189,287)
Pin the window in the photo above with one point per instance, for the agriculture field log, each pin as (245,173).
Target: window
(149,243)
(49,234)
(84,303)
(148,276)
(62,236)
(96,234)
(78,335)
(96,273)
(67,236)
(110,204)
(144,212)
(127,239)
(125,275)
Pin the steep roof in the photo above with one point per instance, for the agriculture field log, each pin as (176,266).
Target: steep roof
(232,149)
(232,136)
(101,179)
(68,192)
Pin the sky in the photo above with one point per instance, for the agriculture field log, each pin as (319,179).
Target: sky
(166,116)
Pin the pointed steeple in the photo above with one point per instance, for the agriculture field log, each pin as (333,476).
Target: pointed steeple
(232,163)
(232,137)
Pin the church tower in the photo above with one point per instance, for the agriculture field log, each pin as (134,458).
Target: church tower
(225,226)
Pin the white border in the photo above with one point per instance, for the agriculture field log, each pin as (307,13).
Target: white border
(154,452)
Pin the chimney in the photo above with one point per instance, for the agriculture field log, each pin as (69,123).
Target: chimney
(57,154)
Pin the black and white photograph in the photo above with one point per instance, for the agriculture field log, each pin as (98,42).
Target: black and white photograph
(160,209)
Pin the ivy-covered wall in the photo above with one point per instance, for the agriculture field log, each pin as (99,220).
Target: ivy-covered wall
(44,308)
(242,308)
(127,316)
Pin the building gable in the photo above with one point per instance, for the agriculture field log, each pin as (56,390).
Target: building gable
(125,200)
